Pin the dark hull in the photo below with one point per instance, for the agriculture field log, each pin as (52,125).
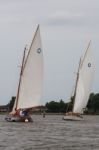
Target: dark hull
(11,118)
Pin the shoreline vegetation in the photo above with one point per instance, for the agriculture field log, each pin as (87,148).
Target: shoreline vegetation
(51,113)
(58,107)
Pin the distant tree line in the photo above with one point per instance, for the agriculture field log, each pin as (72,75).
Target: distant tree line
(56,107)
(11,103)
(61,106)
(93,104)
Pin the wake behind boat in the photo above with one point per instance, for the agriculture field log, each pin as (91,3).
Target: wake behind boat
(30,82)
(83,86)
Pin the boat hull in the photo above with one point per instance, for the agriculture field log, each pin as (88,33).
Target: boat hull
(11,118)
(72,118)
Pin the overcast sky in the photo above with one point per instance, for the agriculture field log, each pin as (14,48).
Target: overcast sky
(66,28)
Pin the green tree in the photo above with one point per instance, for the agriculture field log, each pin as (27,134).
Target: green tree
(52,106)
(62,106)
(93,103)
(11,103)
(57,107)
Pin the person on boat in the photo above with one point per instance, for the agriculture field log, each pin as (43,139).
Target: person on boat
(24,113)
(21,113)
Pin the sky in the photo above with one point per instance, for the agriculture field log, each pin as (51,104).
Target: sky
(66,27)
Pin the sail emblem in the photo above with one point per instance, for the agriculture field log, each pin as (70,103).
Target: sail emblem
(89,64)
(39,50)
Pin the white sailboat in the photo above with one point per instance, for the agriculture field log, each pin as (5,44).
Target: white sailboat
(83,85)
(30,83)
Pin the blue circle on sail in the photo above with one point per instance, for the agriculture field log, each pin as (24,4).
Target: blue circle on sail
(89,64)
(39,50)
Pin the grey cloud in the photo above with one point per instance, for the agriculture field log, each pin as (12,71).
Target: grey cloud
(72,19)
(65,18)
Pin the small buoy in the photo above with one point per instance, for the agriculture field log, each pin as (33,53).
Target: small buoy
(26,120)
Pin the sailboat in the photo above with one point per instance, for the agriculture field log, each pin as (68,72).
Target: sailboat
(30,82)
(83,86)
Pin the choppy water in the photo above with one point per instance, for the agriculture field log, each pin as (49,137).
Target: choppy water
(50,133)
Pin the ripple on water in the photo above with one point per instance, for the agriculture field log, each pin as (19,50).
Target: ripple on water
(50,133)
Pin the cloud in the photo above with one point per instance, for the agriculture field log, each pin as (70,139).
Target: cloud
(65,18)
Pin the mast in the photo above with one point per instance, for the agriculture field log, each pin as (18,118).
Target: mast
(75,87)
(85,77)
(21,72)
(30,89)
(76,84)
(32,69)
(80,65)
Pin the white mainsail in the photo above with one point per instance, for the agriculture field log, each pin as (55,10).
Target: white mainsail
(85,78)
(30,90)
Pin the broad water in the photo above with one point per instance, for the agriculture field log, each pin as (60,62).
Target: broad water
(50,133)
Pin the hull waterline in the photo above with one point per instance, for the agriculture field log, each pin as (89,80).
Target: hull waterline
(11,118)
(72,118)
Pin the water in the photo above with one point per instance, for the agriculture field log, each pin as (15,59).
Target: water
(50,133)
